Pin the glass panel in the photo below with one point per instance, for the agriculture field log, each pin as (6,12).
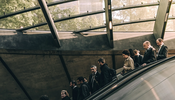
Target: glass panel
(81,23)
(77,24)
(76,8)
(146,26)
(171,23)
(120,3)
(9,6)
(81,6)
(73,8)
(23,20)
(134,15)
(20,20)
(57,12)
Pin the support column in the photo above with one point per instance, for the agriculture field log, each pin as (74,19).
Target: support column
(49,20)
(65,68)
(109,25)
(162,18)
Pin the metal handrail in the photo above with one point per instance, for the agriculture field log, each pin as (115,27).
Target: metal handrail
(128,77)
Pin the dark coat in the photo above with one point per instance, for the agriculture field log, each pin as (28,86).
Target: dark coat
(96,82)
(138,61)
(149,56)
(163,53)
(83,91)
(75,93)
(66,98)
(105,75)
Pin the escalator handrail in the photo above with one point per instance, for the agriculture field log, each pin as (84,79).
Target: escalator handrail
(133,75)
(118,83)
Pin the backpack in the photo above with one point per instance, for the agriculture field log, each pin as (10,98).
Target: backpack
(112,74)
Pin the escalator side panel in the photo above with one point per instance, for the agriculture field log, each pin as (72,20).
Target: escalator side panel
(142,88)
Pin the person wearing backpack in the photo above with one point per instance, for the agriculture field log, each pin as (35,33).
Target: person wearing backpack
(128,63)
(105,74)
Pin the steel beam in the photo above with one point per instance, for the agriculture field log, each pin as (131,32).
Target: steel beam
(65,68)
(91,13)
(34,8)
(136,6)
(93,28)
(136,21)
(117,24)
(63,19)
(109,25)
(15,78)
(162,18)
(49,20)
(171,18)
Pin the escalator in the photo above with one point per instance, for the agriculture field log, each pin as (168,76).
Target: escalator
(155,81)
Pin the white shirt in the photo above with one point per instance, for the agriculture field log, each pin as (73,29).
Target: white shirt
(148,47)
(95,72)
(74,86)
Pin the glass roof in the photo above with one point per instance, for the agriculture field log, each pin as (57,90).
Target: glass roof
(82,7)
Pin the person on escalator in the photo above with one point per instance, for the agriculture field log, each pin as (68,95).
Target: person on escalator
(137,58)
(74,87)
(131,53)
(163,50)
(83,90)
(105,74)
(65,95)
(150,53)
(94,79)
(128,63)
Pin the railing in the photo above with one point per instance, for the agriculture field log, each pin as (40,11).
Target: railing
(116,84)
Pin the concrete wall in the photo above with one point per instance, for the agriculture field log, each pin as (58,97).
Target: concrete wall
(10,90)
(42,72)
(39,74)
(34,60)
(76,42)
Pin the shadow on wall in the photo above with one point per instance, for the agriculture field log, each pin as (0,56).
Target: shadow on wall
(39,74)
(170,43)
(169,40)
(70,41)
(46,42)
(134,42)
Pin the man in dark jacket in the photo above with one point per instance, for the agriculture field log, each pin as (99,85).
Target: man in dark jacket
(83,90)
(105,75)
(163,50)
(150,54)
(73,84)
(137,58)
(94,79)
